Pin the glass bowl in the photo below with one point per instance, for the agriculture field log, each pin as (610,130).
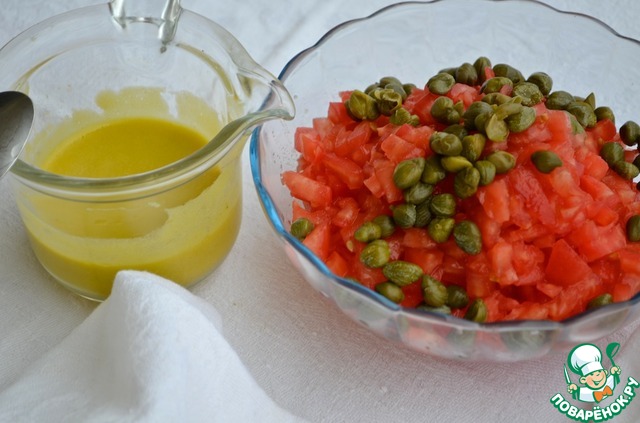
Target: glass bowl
(413,41)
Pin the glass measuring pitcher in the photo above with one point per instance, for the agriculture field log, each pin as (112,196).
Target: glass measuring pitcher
(151,61)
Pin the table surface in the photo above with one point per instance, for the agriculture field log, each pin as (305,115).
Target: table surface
(311,359)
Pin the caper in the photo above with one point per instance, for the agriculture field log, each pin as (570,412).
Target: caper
(385,222)
(408,88)
(443,205)
(468,237)
(440,228)
(451,71)
(443,110)
(418,193)
(301,227)
(467,74)
(590,100)
(457,297)
(633,228)
(604,112)
(402,116)
(408,172)
(521,121)
(612,152)
(389,80)
(529,92)
(371,87)
(404,215)
(441,310)
(474,109)
(477,311)
(391,291)
(487,171)
(362,106)
(445,144)
(456,129)
(508,108)
(496,98)
(441,83)
(401,272)
(496,84)
(545,161)
(502,160)
(433,171)
(503,69)
(480,65)
(423,215)
(387,100)
(496,129)
(543,82)
(454,164)
(375,254)
(625,169)
(576,128)
(466,182)
(559,100)
(584,113)
(434,291)
(599,301)
(393,83)
(480,122)
(630,133)
(367,232)
(473,146)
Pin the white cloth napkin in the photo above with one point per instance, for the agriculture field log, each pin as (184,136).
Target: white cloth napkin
(151,352)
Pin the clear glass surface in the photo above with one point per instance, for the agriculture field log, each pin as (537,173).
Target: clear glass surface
(413,41)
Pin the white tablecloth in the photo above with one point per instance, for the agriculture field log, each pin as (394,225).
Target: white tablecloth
(308,357)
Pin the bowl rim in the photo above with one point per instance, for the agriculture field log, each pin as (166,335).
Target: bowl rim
(370,294)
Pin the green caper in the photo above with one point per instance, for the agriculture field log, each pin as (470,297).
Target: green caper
(467,74)
(367,232)
(433,171)
(508,108)
(542,81)
(389,80)
(630,133)
(487,171)
(456,129)
(408,88)
(391,291)
(387,227)
(404,215)
(480,65)
(496,98)
(457,297)
(502,160)
(474,109)
(503,69)
(441,83)
(371,87)
(375,254)
(387,100)
(473,146)
(466,182)
(599,301)
(408,172)
(477,311)
(454,164)
(418,193)
(559,100)
(423,215)
(441,310)
(590,100)
(612,152)
(625,169)
(576,128)
(362,106)
(443,205)
(401,116)
(521,121)
(604,112)
(434,291)
(443,110)
(545,161)
(301,227)
(468,237)
(451,71)
(529,92)
(496,129)
(633,228)
(445,144)
(402,273)
(496,84)
(440,228)
(480,122)
(583,112)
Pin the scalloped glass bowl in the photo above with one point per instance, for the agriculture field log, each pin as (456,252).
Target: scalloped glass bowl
(413,41)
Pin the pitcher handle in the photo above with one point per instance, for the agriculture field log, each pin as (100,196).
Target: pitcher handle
(128,11)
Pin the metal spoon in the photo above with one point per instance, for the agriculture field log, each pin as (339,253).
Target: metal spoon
(16,118)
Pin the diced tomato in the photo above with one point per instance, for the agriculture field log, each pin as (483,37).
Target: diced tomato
(594,242)
(351,141)
(307,189)
(397,149)
(565,266)
(346,170)
(319,241)
(337,264)
(338,114)
(605,130)
(495,200)
(384,174)
(501,262)
(412,295)
(429,259)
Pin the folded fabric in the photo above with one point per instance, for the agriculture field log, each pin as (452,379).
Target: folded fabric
(151,352)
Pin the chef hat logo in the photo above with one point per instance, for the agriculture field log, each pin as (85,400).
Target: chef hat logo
(585,359)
